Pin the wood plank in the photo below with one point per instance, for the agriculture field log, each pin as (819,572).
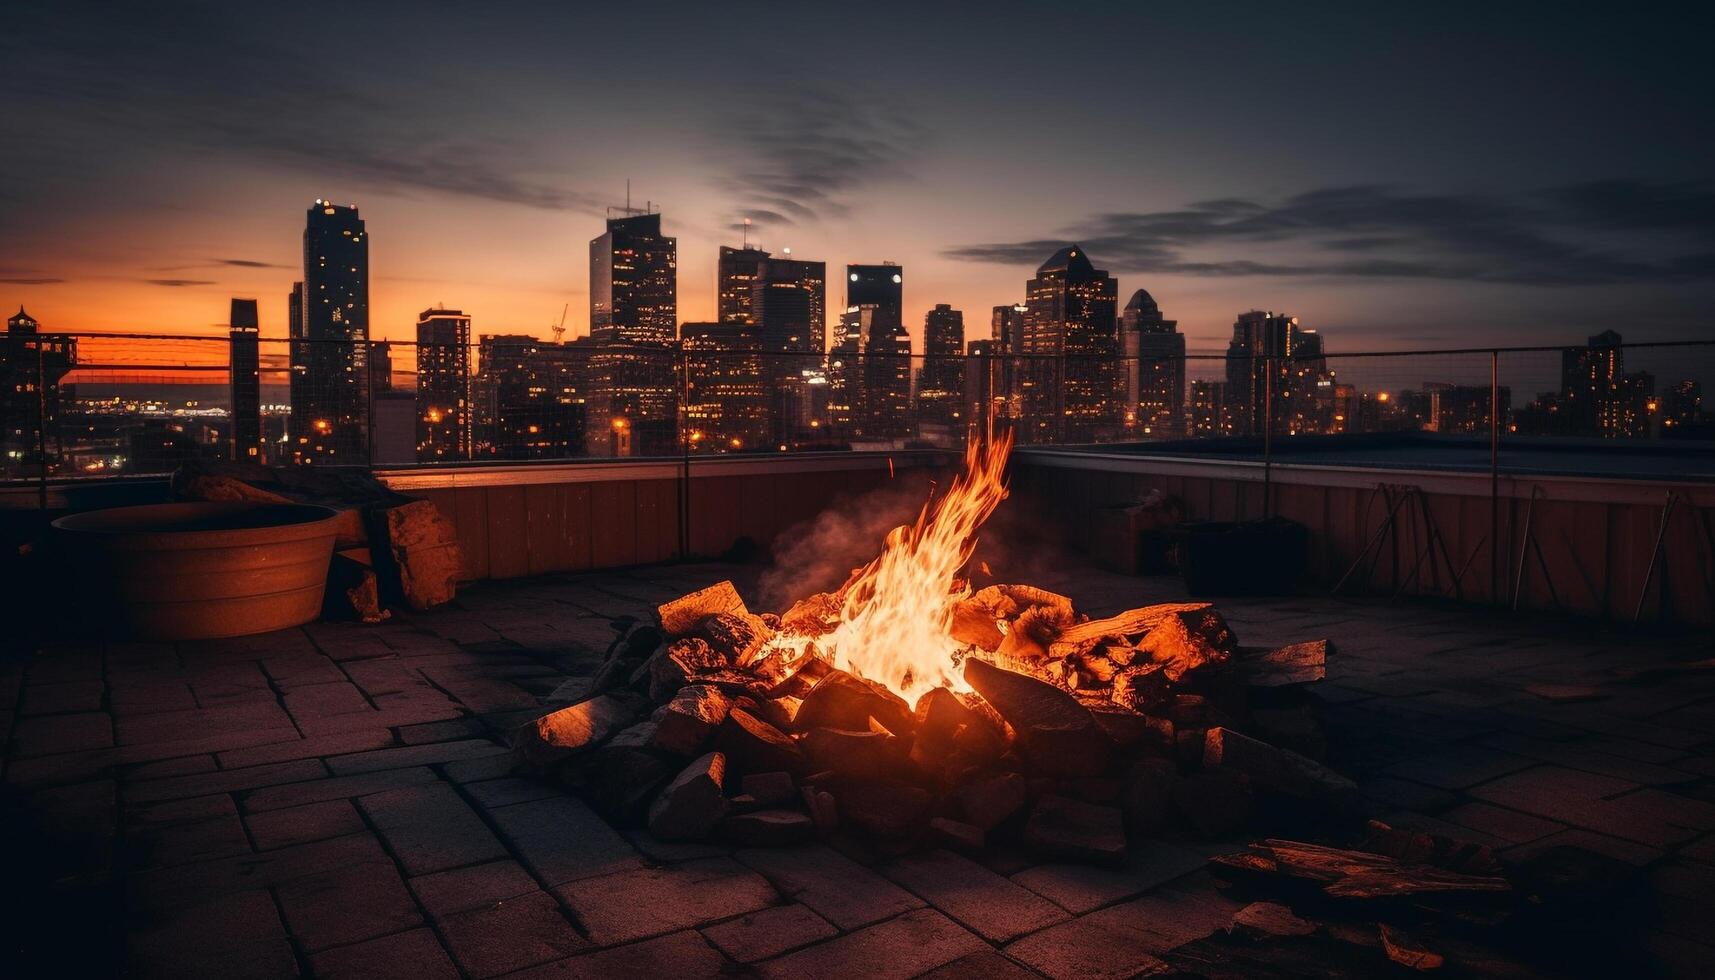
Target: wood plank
(508,533)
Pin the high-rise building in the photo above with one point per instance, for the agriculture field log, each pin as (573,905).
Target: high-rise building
(1154,353)
(529,397)
(870,370)
(1270,352)
(632,402)
(1073,387)
(297,369)
(1598,396)
(789,310)
(380,367)
(335,338)
(941,384)
(727,402)
(1006,337)
(30,372)
(735,278)
(443,385)
(881,286)
(244,371)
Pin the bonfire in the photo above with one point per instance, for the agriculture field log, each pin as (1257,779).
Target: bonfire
(907,706)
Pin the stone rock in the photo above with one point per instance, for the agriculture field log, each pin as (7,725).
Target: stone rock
(768,828)
(884,809)
(638,736)
(956,835)
(753,745)
(856,755)
(569,731)
(416,554)
(823,810)
(682,615)
(1214,804)
(685,724)
(619,781)
(1271,919)
(986,803)
(352,591)
(1147,795)
(692,804)
(841,700)
(673,665)
(1189,641)
(1056,733)
(770,789)
(1140,687)
(1129,729)
(1408,951)
(1068,828)
(1277,769)
(1295,663)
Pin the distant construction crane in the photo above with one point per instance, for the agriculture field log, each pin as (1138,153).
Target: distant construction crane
(560,328)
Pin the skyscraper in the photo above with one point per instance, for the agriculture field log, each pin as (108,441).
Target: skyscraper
(881,286)
(1270,352)
(244,370)
(632,407)
(1155,368)
(443,385)
(336,379)
(735,276)
(1006,343)
(528,398)
(789,309)
(941,385)
(1600,397)
(1073,385)
(298,368)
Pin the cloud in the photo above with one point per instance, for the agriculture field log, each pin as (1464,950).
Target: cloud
(216,79)
(250,264)
(798,156)
(1609,231)
(31,280)
(175,283)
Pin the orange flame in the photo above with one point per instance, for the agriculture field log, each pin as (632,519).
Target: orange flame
(895,623)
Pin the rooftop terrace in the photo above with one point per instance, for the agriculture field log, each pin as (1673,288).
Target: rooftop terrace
(336,801)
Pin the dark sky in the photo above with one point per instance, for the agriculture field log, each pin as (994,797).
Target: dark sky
(1397,175)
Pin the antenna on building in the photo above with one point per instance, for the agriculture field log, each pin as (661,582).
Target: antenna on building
(628,193)
(747,233)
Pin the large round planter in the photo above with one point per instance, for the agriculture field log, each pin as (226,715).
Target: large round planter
(199,570)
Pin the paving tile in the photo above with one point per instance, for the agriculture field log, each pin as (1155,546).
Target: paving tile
(347,905)
(510,935)
(1600,803)
(430,828)
(183,766)
(907,946)
(173,726)
(236,936)
(680,956)
(504,792)
(462,889)
(986,965)
(1630,852)
(180,811)
(561,840)
(768,932)
(1128,939)
(165,845)
(223,781)
(639,903)
(1509,825)
(415,954)
(413,755)
(1080,888)
(1577,754)
(441,731)
(185,885)
(993,907)
(1459,767)
(65,697)
(306,748)
(669,851)
(334,788)
(52,734)
(836,887)
(272,829)
(494,766)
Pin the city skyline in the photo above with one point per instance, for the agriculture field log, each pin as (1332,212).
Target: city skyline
(1421,208)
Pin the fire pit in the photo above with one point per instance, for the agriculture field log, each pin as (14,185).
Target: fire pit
(910,707)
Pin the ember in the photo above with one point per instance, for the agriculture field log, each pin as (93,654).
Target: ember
(906,706)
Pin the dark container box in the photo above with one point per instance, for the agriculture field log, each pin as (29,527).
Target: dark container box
(1266,557)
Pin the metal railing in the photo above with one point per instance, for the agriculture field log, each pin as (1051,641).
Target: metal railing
(94,405)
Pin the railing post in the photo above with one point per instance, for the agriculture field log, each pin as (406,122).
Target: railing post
(1268,436)
(1495,474)
(41,426)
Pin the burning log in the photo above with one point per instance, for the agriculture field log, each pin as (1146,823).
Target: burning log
(682,615)
(752,745)
(1296,663)
(840,700)
(1357,874)
(1187,641)
(1277,769)
(693,803)
(568,731)
(1055,732)
(686,723)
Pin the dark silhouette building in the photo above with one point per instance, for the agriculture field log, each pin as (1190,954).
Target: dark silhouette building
(632,399)
(789,311)
(1073,388)
(735,279)
(727,395)
(529,397)
(332,416)
(1154,352)
(941,384)
(1006,343)
(244,371)
(1271,354)
(30,395)
(443,385)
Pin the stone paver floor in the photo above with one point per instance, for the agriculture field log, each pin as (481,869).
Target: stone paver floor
(336,801)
